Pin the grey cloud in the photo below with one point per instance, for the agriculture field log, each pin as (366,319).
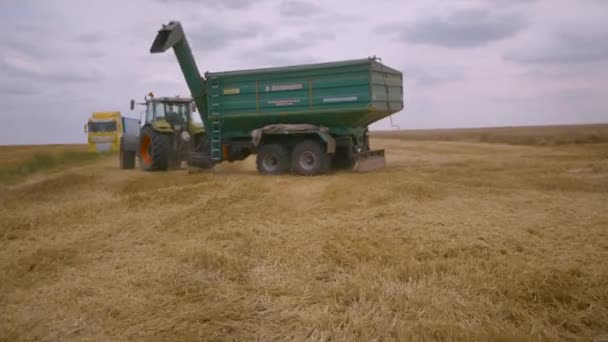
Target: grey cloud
(302,41)
(231,4)
(297,8)
(92,38)
(46,74)
(288,44)
(74,76)
(16,89)
(565,47)
(429,76)
(461,29)
(261,58)
(27,41)
(511,2)
(218,36)
(540,73)
(22,28)
(318,35)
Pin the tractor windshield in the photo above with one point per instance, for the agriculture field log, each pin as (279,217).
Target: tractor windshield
(174,112)
(177,112)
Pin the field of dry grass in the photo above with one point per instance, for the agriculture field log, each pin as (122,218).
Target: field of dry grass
(11,155)
(452,241)
(529,135)
(19,162)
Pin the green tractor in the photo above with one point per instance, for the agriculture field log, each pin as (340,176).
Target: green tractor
(169,136)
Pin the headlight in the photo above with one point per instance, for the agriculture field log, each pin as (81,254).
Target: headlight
(185,136)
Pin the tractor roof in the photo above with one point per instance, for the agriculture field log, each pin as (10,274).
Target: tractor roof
(171,99)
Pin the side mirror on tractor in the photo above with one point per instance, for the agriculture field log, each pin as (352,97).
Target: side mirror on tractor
(132,104)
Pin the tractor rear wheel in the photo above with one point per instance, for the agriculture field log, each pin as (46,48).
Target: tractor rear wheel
(154,150)
(309,158)
(272,159)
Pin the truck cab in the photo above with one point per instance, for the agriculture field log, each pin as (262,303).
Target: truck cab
(104,130)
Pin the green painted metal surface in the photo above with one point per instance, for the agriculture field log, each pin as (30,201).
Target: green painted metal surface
(344,96)
(339,95)
(172,36)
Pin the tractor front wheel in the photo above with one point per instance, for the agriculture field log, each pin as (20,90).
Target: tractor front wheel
(154,148)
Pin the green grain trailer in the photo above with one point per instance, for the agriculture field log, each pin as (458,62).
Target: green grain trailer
(307,119)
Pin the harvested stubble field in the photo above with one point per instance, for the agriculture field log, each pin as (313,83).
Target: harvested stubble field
(452,241)
(530,135)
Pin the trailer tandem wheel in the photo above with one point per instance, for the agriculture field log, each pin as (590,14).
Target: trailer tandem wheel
(127,159)
(310,158)
(272,159)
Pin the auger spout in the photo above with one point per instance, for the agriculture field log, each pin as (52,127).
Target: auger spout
(172,35)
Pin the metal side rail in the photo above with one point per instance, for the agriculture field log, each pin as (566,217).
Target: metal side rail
(369,161)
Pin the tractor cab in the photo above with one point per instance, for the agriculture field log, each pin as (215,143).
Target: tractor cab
(176,113)
(171,114)
(169,135)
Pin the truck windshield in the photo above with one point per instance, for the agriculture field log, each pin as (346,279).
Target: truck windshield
(102,126)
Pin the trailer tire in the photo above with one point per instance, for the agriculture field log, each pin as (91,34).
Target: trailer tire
(272,159)
(343,159)
(309,158)
(154,150)
(127,159)
(201,157)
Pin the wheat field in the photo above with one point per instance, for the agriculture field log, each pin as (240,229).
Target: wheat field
(451,241)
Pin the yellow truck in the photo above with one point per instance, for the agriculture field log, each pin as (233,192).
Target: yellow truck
(104,130)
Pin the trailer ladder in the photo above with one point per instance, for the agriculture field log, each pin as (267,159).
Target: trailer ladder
(215,119)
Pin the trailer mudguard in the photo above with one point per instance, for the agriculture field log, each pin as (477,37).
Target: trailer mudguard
(291,129)
(130,134)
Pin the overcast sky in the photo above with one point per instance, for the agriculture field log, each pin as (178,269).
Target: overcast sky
(467,63)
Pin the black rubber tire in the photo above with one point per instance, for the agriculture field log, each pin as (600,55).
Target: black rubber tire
(201,144)
(201,147)
(314,151)
(343,159)
(156,156)
(272,159)
(127,159)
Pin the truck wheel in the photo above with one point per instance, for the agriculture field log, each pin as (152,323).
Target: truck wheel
(309,158)
(343,159)
(272,159)
(154,148)
(127,159)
